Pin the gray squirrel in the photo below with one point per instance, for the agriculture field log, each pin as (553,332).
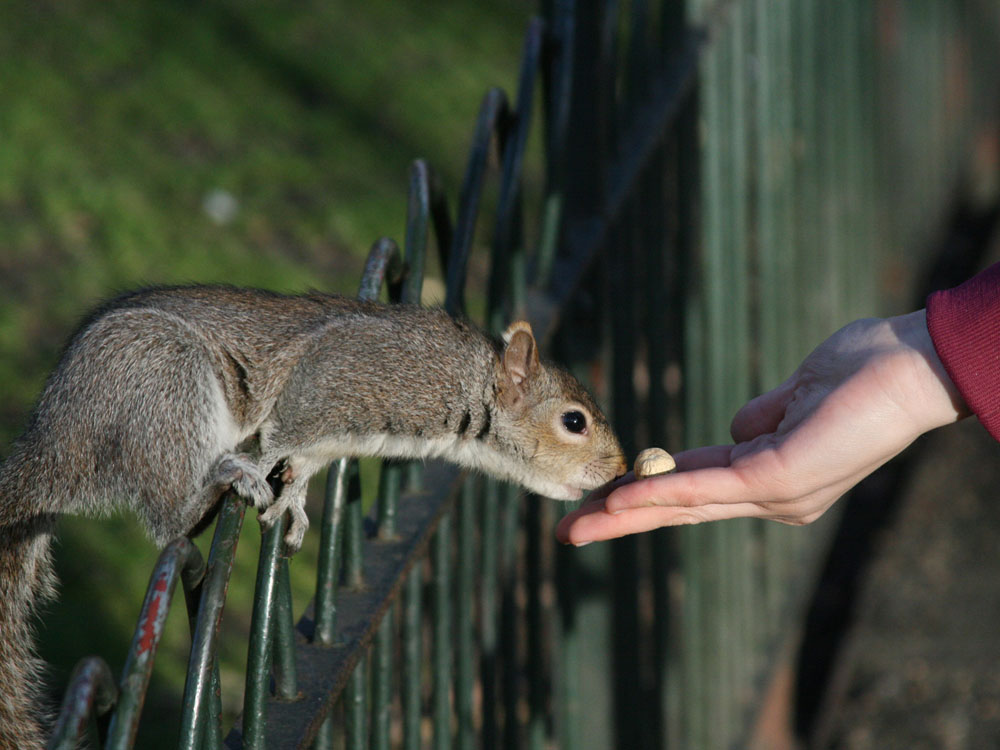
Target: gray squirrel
(166,398)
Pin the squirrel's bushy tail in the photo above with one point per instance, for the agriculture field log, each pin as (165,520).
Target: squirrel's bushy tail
(26,580)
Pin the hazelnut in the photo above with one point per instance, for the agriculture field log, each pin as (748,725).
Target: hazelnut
(653,461)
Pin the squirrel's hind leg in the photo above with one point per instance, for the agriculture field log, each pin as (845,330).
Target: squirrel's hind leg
(239,472)
(230,471)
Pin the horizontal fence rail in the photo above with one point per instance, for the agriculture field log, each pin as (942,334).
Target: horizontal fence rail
(724,184)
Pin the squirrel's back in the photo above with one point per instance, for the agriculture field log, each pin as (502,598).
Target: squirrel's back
(155,384)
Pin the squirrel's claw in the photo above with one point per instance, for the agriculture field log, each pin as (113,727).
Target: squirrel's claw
(238,471)
(293,501)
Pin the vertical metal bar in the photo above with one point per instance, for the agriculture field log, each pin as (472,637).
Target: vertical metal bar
(198,690)
(382,677)
(569,673)
(493,114)
(412,658)
(537,665)
(342,482)
(355,702)
(285,675)
(388,498)
(507,240)
(426,205)
(465,610)
(489,639)
(441,625)
(353,541)
(509,640)
(261,637)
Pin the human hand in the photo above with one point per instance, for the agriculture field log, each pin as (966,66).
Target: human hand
(858,400)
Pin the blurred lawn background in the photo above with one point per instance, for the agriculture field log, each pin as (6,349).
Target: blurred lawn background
(261,144)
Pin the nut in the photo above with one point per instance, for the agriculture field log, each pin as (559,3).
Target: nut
(653,461)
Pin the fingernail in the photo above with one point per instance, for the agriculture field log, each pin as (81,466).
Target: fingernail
(581,544)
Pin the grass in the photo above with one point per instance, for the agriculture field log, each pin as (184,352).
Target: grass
(117,120)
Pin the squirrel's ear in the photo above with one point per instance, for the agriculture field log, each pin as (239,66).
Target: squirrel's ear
(520,357)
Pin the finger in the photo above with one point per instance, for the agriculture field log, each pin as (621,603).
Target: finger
(598,495)
(586,525)
(588,508)
(704,458)
(713,485)
(762,414)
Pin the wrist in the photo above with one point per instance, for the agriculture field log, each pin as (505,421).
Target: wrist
(937,401)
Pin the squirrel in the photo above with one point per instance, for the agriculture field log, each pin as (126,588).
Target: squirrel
(166,398)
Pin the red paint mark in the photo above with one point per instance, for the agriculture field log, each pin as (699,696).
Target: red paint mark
(147,641)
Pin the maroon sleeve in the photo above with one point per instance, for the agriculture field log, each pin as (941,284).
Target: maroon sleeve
(964,324)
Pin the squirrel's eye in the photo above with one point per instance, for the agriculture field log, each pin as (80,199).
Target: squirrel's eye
(574,421)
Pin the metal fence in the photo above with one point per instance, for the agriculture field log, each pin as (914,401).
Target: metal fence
(725,183)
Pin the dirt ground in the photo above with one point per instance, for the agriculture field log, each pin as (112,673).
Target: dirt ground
(921,667)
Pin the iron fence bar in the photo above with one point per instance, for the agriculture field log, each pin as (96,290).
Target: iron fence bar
(489,642)
(285,678)
(568,727)
(342,482)
(180,559)
(441,634)
(505,239)
(509,641)
(412,658)
(355,706)
(535,528)
(391,478)
(91,692)
(465,574)
(200,689)
(382,678)
(557,82)
(426,207)
(490,126)
(260,646)
(353,543)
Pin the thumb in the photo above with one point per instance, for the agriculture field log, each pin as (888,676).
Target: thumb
(761,415)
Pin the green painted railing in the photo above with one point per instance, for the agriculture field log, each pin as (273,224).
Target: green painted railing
(725,184)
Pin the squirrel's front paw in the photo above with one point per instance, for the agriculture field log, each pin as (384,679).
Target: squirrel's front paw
(293,500)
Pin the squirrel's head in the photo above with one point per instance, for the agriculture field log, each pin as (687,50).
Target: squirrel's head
(568,445)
